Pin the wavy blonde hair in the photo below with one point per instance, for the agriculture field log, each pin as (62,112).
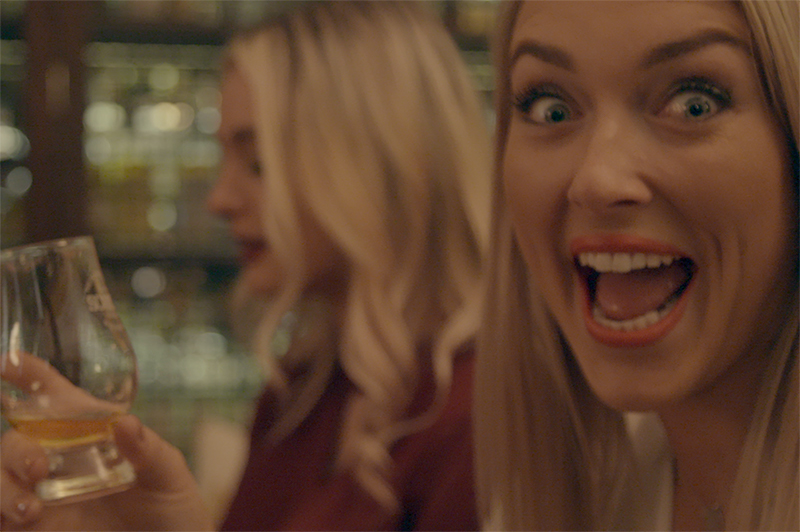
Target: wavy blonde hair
(367,117)
(549,454)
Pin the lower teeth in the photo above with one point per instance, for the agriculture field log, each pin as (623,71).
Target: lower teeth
(638,323)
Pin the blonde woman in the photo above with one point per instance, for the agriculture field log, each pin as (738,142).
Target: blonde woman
(637,366)
(355,178)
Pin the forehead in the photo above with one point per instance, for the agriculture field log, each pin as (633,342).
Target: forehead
(602,28)
(235,107)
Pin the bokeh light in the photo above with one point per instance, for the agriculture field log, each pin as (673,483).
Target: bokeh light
(148,282)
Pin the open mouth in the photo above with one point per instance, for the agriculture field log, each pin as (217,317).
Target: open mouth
(633,292)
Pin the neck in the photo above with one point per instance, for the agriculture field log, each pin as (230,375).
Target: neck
(706,433)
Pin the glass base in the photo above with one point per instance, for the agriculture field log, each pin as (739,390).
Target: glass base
(85,472)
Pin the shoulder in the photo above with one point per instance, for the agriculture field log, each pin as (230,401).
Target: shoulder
(457,383)
(452,424)
(459,401)
(433,467)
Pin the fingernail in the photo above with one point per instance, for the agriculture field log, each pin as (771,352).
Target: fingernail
(23,509)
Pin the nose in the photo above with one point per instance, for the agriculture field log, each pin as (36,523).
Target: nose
(224,200)
(610,171)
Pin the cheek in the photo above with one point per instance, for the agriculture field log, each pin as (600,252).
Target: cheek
(746,194)
(534,193)
(324,259)
(768,220)
(738,199)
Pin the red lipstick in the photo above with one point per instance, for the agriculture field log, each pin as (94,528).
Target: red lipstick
(623,259)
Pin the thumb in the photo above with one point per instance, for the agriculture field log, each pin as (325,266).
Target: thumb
(159,466)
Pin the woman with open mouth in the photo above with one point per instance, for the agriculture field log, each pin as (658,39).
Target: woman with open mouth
(638,362)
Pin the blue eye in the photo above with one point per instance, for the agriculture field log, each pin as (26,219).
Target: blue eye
(550,111)
(543,107)
(696,100)
(693,106)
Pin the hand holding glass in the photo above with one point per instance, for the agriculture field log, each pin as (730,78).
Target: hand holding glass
(67,365)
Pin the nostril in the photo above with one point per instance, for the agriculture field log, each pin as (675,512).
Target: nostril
(601,189)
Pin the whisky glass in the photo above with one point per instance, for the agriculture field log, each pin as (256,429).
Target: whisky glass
(67,366)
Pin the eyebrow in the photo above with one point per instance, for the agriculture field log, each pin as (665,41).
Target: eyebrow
(673,50)
(543,52)
(665,52)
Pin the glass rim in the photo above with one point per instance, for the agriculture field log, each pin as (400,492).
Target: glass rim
(55,243)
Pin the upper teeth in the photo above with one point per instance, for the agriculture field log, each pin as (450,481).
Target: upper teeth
(623,262)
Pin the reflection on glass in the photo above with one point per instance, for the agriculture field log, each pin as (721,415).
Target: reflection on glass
(67,365)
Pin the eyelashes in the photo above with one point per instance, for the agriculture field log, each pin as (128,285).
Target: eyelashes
(697,99)
(527,97)
(706,87)
(544,104)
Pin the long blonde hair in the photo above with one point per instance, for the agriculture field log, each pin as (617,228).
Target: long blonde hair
(367,117)
(549,454)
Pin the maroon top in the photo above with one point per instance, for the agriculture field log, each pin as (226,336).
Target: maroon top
(291,487)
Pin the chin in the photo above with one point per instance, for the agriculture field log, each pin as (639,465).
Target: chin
(635,383)
(260,281)
(632,401)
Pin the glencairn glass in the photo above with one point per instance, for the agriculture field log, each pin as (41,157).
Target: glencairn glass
(68,369)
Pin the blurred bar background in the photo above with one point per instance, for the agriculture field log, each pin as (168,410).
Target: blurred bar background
(109,111)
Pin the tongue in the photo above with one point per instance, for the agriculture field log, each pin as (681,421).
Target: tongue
(624,296)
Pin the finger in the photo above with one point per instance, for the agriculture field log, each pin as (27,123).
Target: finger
(18,504)
(37,377)
(159,466)
(30,373)
(23,458)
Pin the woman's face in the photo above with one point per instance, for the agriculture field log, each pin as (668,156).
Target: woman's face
(238,197)
(649,187)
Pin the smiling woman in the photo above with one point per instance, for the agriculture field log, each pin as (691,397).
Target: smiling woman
(644,274)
